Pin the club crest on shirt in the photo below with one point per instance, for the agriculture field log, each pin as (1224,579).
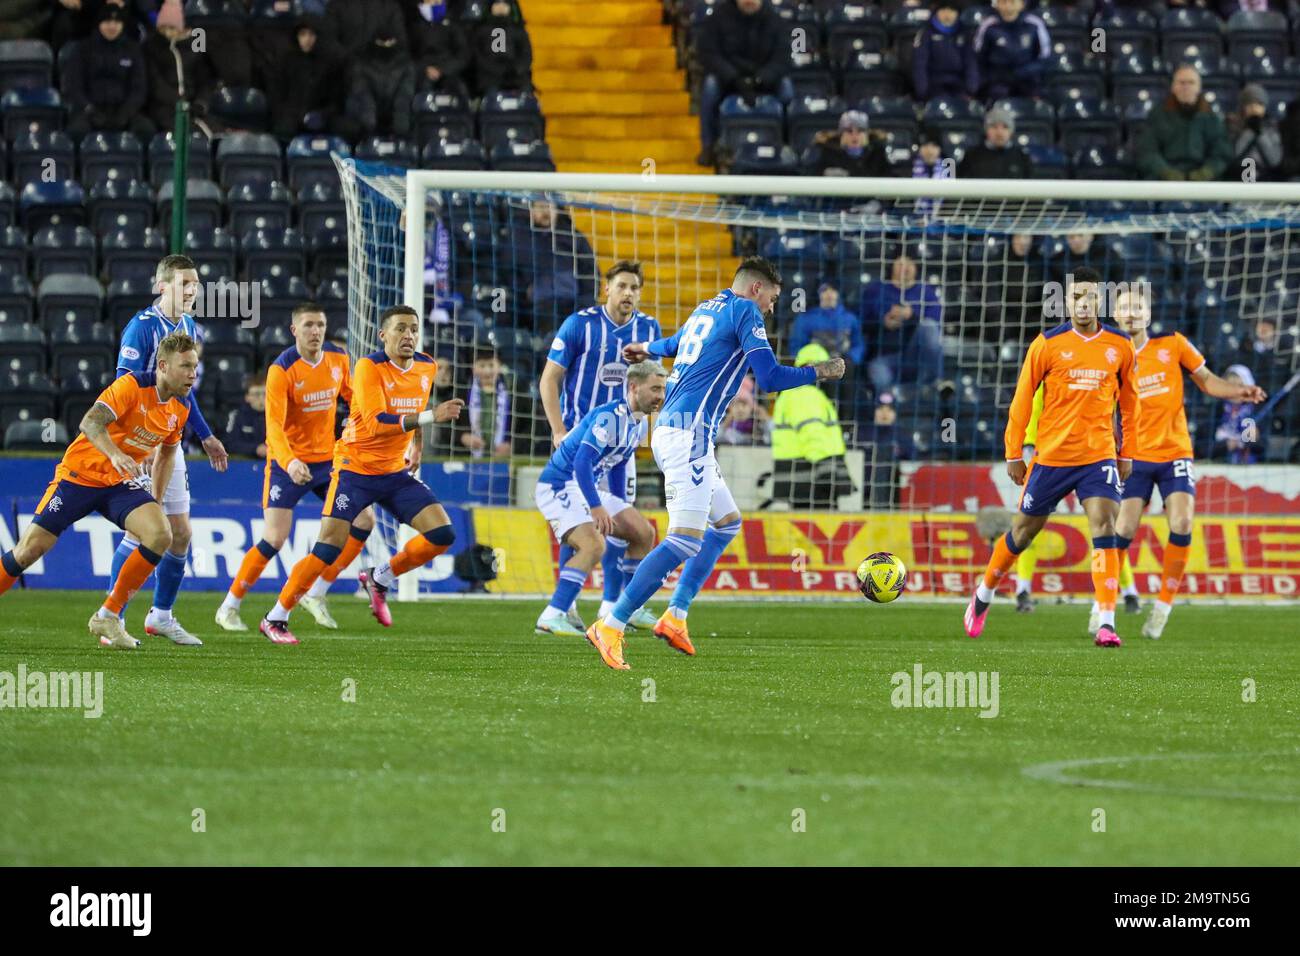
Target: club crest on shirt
(171,423)
(1112,356)
(424,383)
(336,373)
(760,332)
(1164,356)
(1067,355)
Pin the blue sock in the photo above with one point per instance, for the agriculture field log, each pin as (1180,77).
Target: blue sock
(567,588)
(627,567)
(699,568)
(615,548)
(649,578)
(124,550)
(171,570)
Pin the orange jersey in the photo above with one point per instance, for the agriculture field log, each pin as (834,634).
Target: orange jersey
(300,404)
(374,441)
(1162,431)
(1082,378)
(143,423)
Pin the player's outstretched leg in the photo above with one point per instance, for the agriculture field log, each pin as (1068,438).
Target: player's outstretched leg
(1171,578)
(314,601)
(1005,553)
(586,547)
(1025,564)
(571,613)
(615,551)
(125,548)
(671,627)
(420,550)
(250,569)
(167,584)
(607,635)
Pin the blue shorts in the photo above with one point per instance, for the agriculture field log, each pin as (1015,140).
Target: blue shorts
(66,502)
(350,493)
(1168,476)
(281,491)
(1048,484)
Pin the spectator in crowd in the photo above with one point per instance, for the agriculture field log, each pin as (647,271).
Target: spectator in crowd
(808,450)
(489,408)
(380,87)
(354,25)
(886,443)
(105,82)
(555,262)
(440,47)
(1183,138)
(1256,139)
(503,55)
(1228,7)
(161,50)
(439,438)
(1289,130)
(1269,349)
(852,151)
(998,157)
(747,421)
(742,49)
(1078,251)
(831,326)
(246,426)
(902,327)
(929,163)
(941,55)
(1008,53)
(1238,437)
(1014,310)
(309,88)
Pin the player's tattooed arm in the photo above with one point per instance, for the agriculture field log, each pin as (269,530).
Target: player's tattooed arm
(94,425)
(829,370)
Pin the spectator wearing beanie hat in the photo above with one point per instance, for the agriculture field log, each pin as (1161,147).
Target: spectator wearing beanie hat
(853,150)
(1009,53)
(1256,140)
(941,55)
(998,157)
(928,163)
(161,50)
(104,81)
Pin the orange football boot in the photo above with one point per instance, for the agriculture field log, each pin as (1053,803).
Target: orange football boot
(673,631)
(609,643)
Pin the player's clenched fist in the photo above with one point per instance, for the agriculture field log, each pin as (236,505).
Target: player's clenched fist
(1017,469)
(636,352)
(449,410)
(829,370)
(299,472)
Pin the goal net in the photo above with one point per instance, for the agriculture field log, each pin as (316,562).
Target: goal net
(931,289)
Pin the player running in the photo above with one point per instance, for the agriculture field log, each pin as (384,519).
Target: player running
(1084,366)
(177,281)
(582,510)
(105,469)
(585,369)
(374,462)
(1164,445)
(303,387)
(720,341)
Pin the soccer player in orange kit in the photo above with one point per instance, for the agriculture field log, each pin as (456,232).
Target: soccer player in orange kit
(373,463)
(1164,446)
(103,470)
(303,387)
(1084,367)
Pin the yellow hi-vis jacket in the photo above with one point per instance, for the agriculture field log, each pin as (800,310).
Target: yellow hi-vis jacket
(805,423)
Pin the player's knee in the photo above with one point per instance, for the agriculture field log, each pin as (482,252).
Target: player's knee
(273,538)
(159,539)
(1180,524)
(179,537)
(365,521)
(444,536)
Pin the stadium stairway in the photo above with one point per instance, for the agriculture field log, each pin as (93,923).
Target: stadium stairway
(614,97)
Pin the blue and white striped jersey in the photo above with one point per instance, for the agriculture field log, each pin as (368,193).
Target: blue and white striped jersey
(139,352)
(611,431)
(589,347)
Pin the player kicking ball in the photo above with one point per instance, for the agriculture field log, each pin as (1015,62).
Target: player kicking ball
(374,461)
(1084,366)
(582,513)
(1164,445)
(722,339)
(303,387)
(103,471)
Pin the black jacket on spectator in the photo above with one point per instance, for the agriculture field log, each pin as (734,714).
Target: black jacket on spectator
(353,24)
(503,55)
(834,160)
(1289,127)
(733,46)
(940,60)
(245,430)
(160,67)
(311,83)
(985,162)
(380,86)
(443,45)
(105,84)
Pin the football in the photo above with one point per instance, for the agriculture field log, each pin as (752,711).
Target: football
(881,577)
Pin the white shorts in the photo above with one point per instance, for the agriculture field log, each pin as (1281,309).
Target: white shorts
(566,508)
(694,491)
(176,499)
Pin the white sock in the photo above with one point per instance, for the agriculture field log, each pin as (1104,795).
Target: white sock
(232,602)
(677,612)
(615,623)
(1162,606)
(573,605)
(278,613)
(158,615)
(384,576)
(1108,619)
(1096,608)
(605,608)
(105,613)
(552,611)
(1130,591)
(1023,587)
(320,587)
(984,593)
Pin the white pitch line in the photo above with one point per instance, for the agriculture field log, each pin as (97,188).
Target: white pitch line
(1056,772)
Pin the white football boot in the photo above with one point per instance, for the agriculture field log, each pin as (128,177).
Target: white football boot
(317,608)
(1094,620)
(170,628)
(112,633)
(228,619)
(553,622)
(1156,621)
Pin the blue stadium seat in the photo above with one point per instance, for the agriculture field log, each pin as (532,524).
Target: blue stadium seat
(1257,34)
(332,291)
(1067,25)
(895,115)
(109,156)
(272,339)
(508,109)
(1102,162)
(1072,76)
(78,395)
(240,108)
(277,297)
(224,337)
(22,349)
(131,253)
(214,252)
(120,204)
(273,254)
(447,154)
(82,348)
(13,251)
(259,205)
(268,12)
(26,397)
(853,29)
(162,152)
(1280,77)
(441,115)
(248,158)
(1049,162)
(809,76)
(25,64)
(753,159)
(27,110)
(1137,29)
(17,299)
(320,204)
(872,74)
(309,162)
(974,15)
(392,150)
(328,250)
(203,205)
(1192,24)
(41,154)
(62,249)
(8,206)
(758,120)
(1139,91)
(1085,123)
(809,115)
(948,114)
(1206,59)
(126,297)
(522,158)
(214,13)
(1221,92)
(809,249)
(65,299)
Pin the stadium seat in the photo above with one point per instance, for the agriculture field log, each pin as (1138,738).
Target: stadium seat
(1221,92)
(17,299)
(946,114)
(1049,162)
(273,253)
(62,249)
(500,109)
(214,13)
(320,204)
(223,337)
(121,204)
(29,110)
(807,116)
(853,29)
(132,254)
(13,251)
(1072,76)
(329,254)
(1206,59)
(273,338)
(213,252)
(809,249)
(64,299)
(248,158)
(26,397)
(891,114)
(445,154)
(111,156)
(8,205)
(753,159)
(25,64)
(1102,162)
(22,348)
(1034,118)
(35,436)
(1138,29)
(203,205)
(391,150)
(809,76)
(1190,25)
(872,74)
(1257,34)
(1087,122)
(88,348)
(527,129)
(42,154)
(162,157)
(1280,77)
(277,298)
(240,108)
(309,162)
(753,121)
(441,115)
(259,205)
(1138,91)
(1068,26)
(126,297)
(522,158)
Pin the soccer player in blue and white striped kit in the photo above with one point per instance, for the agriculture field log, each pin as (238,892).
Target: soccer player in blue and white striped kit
(177,281)
(585,369)
(721,340)
(584,510)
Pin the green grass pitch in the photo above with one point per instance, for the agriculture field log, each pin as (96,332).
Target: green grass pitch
(473,741)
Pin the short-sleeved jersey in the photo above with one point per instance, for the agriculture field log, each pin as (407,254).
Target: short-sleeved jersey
(144,421)
(1082,378)
(374,441)
(611,429)
(711,355)
(140,338)
(1162,430)
(589,347)
(301,399)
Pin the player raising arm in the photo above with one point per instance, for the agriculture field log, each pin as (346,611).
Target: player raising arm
(583,512)
(103,471)
(1164,444)
(721,340)
(1083,366)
